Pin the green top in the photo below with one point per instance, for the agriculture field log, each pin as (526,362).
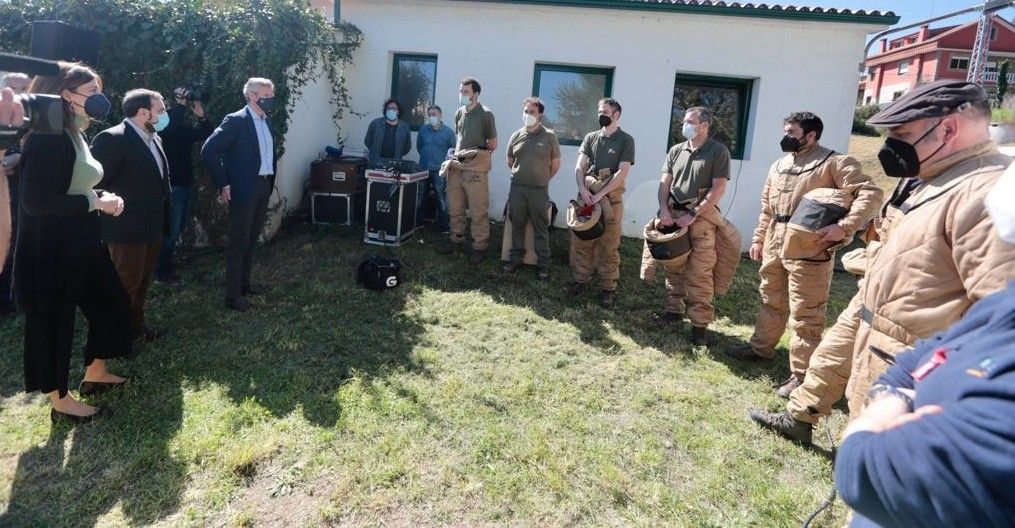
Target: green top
(608,152)
(694,169)
(87,171)
(474,127)
(533,153)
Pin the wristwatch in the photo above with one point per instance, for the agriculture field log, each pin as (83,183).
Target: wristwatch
(881,389)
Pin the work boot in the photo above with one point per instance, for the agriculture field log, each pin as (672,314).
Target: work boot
(700,336)
(606,298)
(448,248)
(784,424)
(787,386)
(575,288)
(745,353)
(510,267)
(477,257)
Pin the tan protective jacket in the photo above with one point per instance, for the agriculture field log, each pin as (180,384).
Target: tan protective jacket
(939,254)
(794,175)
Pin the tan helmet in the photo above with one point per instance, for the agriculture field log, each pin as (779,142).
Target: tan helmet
(667,244)
(818,209)
(588,227)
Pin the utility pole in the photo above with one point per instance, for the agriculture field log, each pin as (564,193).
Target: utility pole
(981,48)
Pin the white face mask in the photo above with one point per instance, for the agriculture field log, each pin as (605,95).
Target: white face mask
(529,119)
(689,131)
(1000,203)
(464,100)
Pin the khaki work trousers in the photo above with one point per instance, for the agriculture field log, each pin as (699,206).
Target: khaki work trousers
(793,291)
(829,368)
(601,254)
(135,264)
(469,190)
(690,288)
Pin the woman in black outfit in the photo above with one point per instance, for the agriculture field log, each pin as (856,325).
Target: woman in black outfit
(60,263)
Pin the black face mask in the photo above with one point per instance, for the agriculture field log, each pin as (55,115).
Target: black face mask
(267,104)
(96,105)
(790,144)
(900,160)
(605,120)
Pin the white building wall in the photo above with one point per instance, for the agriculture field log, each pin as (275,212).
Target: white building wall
(796,66)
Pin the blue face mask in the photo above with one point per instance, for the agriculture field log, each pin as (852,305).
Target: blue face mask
(464,100)
(163,122)
(434,120)
(391,115)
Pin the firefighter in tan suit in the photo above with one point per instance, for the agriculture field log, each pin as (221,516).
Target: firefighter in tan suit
(469,188)
(795,290)
(939,252)
(610,152)
(694,177)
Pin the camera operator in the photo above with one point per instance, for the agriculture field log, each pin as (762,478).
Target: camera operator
(62,264)
(178,140)
(18,82)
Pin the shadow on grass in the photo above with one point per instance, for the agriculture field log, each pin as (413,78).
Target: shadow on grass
(635,302)
(311,330)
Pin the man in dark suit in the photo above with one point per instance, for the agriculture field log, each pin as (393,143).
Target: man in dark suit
(240,154)
(135,168)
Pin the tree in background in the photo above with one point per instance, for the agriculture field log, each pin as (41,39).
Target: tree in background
(217,43)
(1002,82)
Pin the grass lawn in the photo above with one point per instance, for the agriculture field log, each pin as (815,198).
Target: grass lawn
(464,397)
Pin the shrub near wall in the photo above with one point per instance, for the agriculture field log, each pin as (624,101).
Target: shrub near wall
(218,43)
(860,117)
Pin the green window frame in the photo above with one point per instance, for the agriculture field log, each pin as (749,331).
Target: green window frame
(582,114)
(414,112)
(728,129)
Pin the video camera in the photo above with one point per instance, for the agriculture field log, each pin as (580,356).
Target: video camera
(43,113)
(192,92)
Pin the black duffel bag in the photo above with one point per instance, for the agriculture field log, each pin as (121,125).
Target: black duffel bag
(379,273)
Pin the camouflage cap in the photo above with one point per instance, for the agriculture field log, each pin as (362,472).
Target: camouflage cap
(935,99)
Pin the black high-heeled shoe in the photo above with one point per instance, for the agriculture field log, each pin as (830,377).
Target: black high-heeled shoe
(56,416)
(94,388)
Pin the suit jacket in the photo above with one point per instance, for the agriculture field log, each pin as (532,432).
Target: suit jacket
(233,157)
(57,235)
(374,140)
(130,171)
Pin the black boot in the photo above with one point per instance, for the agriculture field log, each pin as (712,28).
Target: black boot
(784,424)
(700,336)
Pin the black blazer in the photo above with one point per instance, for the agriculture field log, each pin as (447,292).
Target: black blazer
(57,235)
(233,156)
(129,170)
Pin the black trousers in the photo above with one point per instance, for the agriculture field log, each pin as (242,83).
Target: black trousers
(246,221)
(49,333)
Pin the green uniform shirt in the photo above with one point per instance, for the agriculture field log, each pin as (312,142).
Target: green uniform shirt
(474,128)
(694,170)
(533,153)
(608,152)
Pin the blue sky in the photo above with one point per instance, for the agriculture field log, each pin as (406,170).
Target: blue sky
(911,11)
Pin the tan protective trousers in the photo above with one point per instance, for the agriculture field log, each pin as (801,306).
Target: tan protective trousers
(793,291)
(469,190)
(829,368)
(690,288)
(601,254)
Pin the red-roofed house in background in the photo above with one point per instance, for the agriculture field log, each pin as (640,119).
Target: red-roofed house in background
(932,54)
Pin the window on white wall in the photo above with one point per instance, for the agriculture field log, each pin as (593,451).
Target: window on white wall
(903,67)
(571,95)
(413,84)
(729,100)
